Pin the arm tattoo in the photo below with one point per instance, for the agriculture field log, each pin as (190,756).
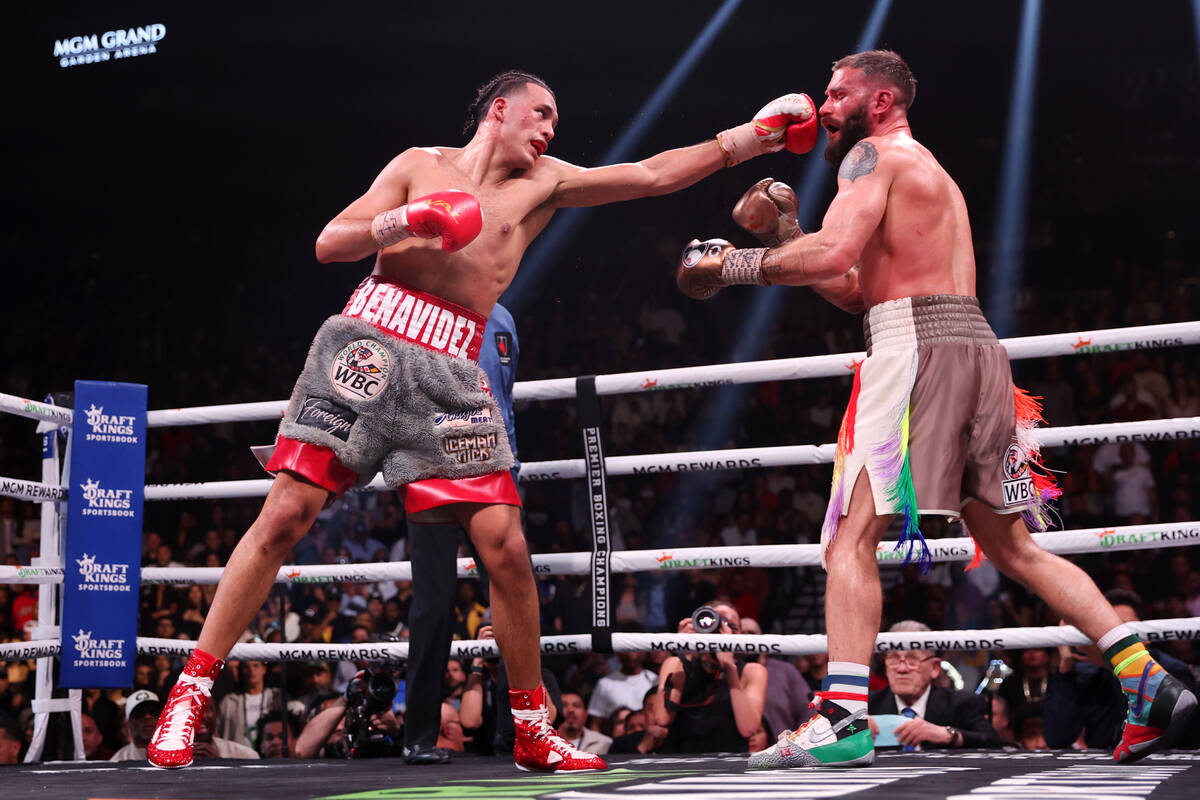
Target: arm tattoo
(859,162)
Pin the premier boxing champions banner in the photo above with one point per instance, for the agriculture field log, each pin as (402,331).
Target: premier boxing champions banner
(104,535)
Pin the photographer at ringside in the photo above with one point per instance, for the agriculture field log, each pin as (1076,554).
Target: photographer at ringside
(359,724)
(711,702)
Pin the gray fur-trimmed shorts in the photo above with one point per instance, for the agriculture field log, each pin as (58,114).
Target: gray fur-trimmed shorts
(379,400)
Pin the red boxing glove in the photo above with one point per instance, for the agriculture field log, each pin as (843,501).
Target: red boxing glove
(453,215)
(802,136)
(771,130)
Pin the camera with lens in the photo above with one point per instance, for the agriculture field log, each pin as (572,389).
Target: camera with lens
(705,619)
(370,692)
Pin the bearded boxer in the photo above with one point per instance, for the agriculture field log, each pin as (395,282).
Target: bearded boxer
(933,424)
(392,381)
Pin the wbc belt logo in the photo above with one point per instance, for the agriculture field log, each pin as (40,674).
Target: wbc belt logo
(361,370)
(1018,489)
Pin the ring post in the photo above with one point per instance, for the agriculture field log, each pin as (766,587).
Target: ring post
(54,471)
(104,525)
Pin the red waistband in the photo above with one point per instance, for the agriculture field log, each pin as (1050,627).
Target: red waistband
(415,316)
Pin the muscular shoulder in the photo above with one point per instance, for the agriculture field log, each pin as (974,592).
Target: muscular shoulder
(871,156)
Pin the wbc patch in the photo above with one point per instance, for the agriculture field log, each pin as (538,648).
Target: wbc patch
(1018,488)
(504,348)
(361,369)
(319,413)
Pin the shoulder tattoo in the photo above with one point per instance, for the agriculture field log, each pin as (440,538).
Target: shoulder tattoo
(860,161)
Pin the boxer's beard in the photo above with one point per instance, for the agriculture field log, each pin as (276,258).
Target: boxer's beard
(853,131)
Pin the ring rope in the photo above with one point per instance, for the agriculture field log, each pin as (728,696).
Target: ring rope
(696,461)
(43,412)
(1085,540)
(1175,334)
(1185,628)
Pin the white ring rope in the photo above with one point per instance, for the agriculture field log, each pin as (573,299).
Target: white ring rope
(701,461)
(695,461)
(43,412)
(1086,540)
(1185,628)
(1175,334)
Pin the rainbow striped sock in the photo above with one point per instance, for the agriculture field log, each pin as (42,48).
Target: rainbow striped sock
(1139,674)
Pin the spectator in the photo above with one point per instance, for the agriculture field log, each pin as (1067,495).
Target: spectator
(711,703)
(1001,720)
(575,732)
(1028,684)
(141,715)
(453,683)
(1084,697)
(12,739)
(616,722)
(625,687)
(270,734)
(642,734)
(209,746)
(787,702)
(94,748)
(238,712)
(1135,498)
(939,717)
(468,611)
(106,714)
(450,734)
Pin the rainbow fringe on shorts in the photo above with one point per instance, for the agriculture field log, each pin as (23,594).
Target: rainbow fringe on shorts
(1040,512)
(893,472)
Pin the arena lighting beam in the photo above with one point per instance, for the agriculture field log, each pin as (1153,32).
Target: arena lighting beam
(1008,258)
(549,246)
(767,303)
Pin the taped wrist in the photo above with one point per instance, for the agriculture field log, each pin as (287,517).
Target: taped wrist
(743,266)
(390,226)
(739,144)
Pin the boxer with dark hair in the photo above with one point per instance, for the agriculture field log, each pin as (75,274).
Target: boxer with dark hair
(934,424)
(392,380)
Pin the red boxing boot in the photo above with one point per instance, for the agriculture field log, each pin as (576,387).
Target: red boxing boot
(171,746)
(538,746)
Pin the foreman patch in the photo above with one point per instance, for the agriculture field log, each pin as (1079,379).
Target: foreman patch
(361,370)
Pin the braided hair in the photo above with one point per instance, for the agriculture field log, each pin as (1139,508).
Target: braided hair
(501,85)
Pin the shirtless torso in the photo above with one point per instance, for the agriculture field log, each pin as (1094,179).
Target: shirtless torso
(518,189)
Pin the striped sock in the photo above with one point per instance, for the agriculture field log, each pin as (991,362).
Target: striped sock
(846,685)
(1128,657)
(1140,676)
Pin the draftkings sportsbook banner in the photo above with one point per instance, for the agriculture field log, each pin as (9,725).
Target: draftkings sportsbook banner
(104,535)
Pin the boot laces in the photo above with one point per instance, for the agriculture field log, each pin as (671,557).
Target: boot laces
(183,714)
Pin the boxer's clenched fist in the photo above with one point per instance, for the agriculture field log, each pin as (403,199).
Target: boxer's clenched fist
(705,267)
(453,215)
(768,210)
(789,121)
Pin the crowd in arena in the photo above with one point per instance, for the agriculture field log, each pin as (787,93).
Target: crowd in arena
(654,702)
(633,319)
